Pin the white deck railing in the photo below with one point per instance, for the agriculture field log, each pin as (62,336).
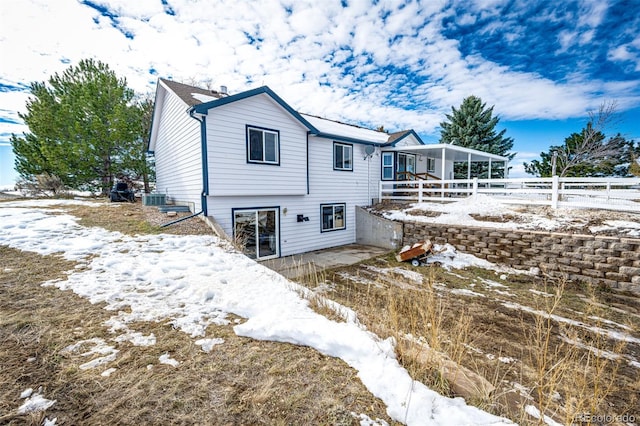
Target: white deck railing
(603,193)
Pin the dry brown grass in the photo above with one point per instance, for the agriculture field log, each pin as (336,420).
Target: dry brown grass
(241,381)
(563,379)
(249,382)
(133,218)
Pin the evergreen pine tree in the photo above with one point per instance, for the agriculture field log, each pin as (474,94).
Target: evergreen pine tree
(474,126)
(84,127)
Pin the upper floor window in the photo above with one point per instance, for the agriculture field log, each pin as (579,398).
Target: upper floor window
(263,145)
(342,156)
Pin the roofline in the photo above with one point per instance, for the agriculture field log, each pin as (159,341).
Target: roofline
(204,108)
(153,115)
(348,139)
(407,133)
(452,148)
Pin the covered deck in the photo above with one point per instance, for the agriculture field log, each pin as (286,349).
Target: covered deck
(436,161)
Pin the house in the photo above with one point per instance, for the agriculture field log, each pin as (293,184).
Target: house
(278,181)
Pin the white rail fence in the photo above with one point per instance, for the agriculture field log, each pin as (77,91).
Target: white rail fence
(602,193)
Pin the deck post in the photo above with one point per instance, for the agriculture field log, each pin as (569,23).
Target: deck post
(380,190)
(554,191)
(475,186)
(443,176)
(420,188)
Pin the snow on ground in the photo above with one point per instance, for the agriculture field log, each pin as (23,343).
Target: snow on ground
(508,216)
(166,359)
(534,412)
(100,347)
(193,282)
(208,344)
(611,334)
(448,257)
(34,402)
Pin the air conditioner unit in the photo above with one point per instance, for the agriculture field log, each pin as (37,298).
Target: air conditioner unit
(154,199)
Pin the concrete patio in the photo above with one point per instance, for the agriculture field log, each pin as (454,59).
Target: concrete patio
(320,260)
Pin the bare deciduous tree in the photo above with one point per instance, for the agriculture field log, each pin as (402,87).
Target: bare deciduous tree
(592,148)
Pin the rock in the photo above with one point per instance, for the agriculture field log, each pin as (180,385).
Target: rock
(463,381)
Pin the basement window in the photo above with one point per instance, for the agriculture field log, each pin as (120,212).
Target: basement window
(333,216)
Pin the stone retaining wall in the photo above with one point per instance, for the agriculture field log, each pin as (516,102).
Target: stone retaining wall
(599,260)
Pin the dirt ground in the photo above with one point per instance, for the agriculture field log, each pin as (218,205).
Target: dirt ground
(241,381)
(567,349)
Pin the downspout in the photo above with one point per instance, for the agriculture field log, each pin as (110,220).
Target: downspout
(205,171)
(308,184)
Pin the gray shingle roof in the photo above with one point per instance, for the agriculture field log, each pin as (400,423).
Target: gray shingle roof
(185,92)
(397,135)
(331,127)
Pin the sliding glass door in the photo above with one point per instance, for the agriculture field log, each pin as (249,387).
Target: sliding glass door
(257,231)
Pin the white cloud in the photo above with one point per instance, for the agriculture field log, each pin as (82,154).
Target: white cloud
(517,164)
(592,13)
(303,55)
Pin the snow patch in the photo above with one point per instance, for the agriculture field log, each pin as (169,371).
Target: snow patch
(136,338)
(35,402)
(365,420)
(208,344)
(612,334)
(449,257)
(166,359)
(534,412)
(108,372)
(99,347)
(26,393)
(466,292)
(540,293)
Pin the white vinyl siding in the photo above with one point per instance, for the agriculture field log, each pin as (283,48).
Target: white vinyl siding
(326,186)
(230,172)
(177,154)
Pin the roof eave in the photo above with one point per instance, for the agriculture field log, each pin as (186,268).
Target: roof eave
(452,148)
(154,121)
(348,139)
(204,108)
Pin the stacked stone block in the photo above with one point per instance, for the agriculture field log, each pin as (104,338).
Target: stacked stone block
(594,259)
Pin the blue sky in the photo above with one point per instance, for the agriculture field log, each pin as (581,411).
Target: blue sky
(402,64)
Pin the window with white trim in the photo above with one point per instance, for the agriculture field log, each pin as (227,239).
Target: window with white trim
(342,156)
(333,217)
(431,165)
(387,166)
(263,145)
